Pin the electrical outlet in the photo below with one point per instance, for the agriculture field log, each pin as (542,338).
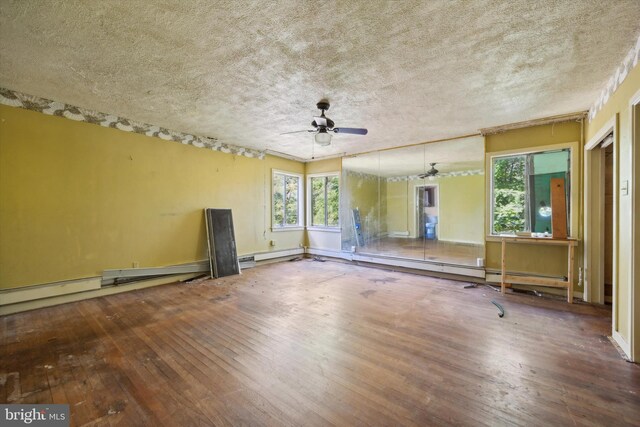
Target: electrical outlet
(135,264)
(272,243)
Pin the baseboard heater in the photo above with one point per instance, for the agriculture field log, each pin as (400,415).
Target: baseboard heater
(248,261)
(424,265)
(125,275)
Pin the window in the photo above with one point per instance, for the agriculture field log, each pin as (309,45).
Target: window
(287,194)
(521,199)
(324,200)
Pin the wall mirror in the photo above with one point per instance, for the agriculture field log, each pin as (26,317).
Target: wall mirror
(423,202)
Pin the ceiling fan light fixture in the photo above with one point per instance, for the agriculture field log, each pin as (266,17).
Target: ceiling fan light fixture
(323,137)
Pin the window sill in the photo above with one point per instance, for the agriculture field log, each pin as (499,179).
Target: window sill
(325,229)
(497,237)
(292,228)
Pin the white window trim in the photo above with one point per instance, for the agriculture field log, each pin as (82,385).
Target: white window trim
(300,224)
(574,188)
(331,229)
(575,171)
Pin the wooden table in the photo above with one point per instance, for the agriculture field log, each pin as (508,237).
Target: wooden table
(541,281)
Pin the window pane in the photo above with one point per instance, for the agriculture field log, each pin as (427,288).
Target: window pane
(278,200)
(317,201)
(509,194)
(291,200)
(333,201)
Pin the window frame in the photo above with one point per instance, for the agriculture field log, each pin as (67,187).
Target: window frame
(574,172)
(288,227)
(325,227)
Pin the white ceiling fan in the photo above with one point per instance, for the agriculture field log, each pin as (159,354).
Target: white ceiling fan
(431,173)
(324,126)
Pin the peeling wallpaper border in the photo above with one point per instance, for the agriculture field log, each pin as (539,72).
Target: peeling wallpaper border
(53,108)
(367,176)
(628,64)
(440,175)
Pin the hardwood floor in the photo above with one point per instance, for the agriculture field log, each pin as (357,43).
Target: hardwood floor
(312,343)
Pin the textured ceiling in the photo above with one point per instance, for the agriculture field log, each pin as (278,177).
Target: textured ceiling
(244,72)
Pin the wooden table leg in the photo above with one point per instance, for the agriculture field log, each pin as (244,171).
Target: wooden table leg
(570,274)
(503,287)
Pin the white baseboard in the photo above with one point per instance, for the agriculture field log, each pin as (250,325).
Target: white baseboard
(36,296)
(109,290)
(464,242)
(625,346)
(422,265)
(109,276)
(330,253)
(29,293)
(261,256)
(402,262)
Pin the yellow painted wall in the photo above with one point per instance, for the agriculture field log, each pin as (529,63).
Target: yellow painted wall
(618,106)
(77,198)
(462,209)
(529,258)
(399,215)
(324,166)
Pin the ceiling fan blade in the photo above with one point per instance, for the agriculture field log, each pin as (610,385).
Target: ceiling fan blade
(353,131)
(298,131)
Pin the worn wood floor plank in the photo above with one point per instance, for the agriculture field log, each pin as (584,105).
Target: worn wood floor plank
(308,343)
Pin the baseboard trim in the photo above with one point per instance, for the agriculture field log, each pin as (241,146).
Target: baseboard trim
(330,253)
(109,276)
(422,265)
(463,242)
(78,296)
(48,290)
(624,346)
(262,256)
(437,267)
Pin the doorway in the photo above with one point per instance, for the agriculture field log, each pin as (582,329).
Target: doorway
(607,152)
(600,218)
(427,212)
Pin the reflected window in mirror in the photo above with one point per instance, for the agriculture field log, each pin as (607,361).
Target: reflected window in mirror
(323,205)
(521,191)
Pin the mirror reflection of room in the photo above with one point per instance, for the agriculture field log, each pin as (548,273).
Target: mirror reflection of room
(422,202)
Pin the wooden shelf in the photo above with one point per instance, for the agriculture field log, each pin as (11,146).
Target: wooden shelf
(541,281)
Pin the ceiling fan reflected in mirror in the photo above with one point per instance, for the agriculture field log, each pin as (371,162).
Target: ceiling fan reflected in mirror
(431,173)
(323,126)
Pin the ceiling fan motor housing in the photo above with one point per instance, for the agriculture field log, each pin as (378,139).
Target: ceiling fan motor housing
(330,124)
(323,105)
